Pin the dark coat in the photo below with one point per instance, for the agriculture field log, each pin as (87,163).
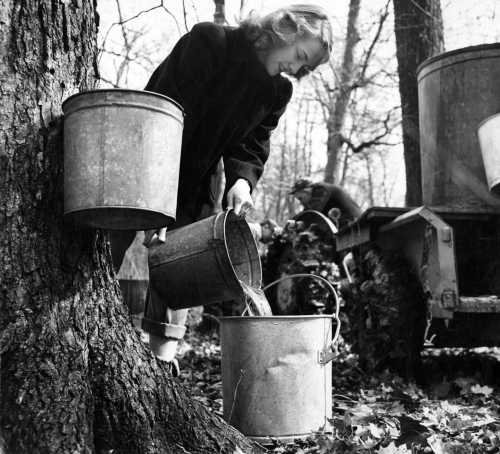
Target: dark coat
(231,106)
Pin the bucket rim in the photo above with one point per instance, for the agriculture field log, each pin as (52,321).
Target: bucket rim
(230,216)
(486,120)
(70,215)
(276,317)
(450,53)
(128,207)
(123,90)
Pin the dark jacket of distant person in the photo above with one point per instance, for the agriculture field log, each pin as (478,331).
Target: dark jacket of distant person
(325,196)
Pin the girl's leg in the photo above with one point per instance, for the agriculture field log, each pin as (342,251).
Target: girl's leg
(164,325)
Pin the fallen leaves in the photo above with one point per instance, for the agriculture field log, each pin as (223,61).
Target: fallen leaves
(485,390)
(393,449)
(379,414)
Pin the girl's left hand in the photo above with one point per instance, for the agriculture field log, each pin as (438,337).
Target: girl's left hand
(239,198)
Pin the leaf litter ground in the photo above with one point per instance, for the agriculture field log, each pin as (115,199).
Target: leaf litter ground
(455,411)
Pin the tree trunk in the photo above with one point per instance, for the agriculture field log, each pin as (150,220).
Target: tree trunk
(74,375)
(335,123)
(418,26)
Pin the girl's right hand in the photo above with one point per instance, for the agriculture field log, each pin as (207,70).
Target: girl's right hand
(239,198)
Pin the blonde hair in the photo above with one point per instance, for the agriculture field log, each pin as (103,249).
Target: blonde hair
(286,25)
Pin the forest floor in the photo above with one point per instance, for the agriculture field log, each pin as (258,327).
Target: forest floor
(456,410)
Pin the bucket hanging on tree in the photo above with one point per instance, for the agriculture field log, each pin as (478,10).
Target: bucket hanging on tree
(121,159)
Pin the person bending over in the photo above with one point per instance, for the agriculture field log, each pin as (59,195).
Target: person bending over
(327,198)
(230,82)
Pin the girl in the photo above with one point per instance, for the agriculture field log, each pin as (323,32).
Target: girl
(230,83)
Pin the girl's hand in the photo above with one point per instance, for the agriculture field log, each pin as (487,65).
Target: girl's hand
(239,198)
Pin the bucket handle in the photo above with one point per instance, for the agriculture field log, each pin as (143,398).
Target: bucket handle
(329,352)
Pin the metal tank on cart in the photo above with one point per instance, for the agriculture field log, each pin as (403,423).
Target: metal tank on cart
(452,241)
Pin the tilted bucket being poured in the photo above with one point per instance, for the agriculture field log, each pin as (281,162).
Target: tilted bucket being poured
(209,261)
(121,159)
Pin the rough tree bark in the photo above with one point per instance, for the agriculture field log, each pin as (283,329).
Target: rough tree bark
(418,25)
(74,374)
(335,122)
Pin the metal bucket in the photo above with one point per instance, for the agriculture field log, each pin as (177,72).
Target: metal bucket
(121,159)
(489,140)
(205,262)
(277,375)
(456,91)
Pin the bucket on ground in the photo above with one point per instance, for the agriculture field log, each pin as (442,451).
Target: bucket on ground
(206,262)
(121,159)
(489,140)
(277,375)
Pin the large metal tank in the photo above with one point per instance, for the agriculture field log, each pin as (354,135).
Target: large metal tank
(457,90)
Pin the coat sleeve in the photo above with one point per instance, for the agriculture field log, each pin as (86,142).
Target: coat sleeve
(194,60)
(246,160)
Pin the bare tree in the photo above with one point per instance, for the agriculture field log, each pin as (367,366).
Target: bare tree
(337,97)
(74,375)
(418,26)
(335,121)
(132,48)
(290,157)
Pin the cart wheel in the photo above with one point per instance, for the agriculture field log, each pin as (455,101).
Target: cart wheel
(386,307)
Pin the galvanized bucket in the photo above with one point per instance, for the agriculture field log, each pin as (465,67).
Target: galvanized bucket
(121,159)
(489,141)
(277,375)
(205,262)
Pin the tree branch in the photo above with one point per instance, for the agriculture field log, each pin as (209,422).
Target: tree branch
(372,45)
(140,13)
(375,141)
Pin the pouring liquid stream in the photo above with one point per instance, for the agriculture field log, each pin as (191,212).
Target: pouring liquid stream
(256,301)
